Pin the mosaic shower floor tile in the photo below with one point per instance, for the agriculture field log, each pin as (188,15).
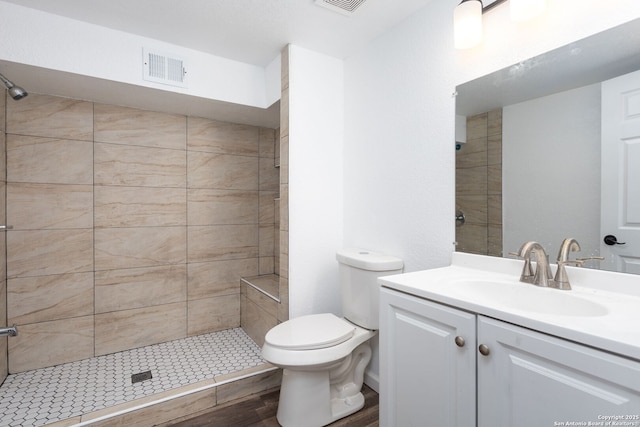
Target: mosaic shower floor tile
(43,396)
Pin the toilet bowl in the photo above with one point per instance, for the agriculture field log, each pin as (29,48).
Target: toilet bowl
(323,368)
(323,356)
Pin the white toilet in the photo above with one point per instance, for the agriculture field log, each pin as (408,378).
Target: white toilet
(323,356)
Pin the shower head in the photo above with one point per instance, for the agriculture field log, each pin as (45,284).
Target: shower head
(16,92)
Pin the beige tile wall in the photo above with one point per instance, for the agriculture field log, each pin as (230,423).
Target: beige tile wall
(131,227)
(479,185)
(3,247)
(283,207)
(259,313)
(259,310)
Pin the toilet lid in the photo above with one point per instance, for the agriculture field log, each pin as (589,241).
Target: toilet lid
(310,332)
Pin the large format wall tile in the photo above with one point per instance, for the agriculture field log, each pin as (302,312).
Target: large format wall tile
(140,287)
(139,166)
(51,161)
(117,248)
(222,171)
(44,252)
(479,185)
(267,143)
(266,303)
(221,137)
(3,266)
(122,330)
(3,153)
(216,207)
(256,321)
(266,207)
(130,126)
(44,298)
(208,279)
(51,116)
(43,344)
(472,238)
(267,240)
(231,390)
(269,175)
(126,189)
(3,106)
(46,206)
(470,181)
(220,242)
(153,410)
(213,314)
(139,206)
(474,207)
(284,160)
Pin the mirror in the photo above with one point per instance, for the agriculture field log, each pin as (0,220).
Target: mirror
(529,168)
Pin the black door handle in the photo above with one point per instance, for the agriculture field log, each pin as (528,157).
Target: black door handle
(611,240)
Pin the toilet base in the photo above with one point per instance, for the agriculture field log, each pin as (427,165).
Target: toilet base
(318,398)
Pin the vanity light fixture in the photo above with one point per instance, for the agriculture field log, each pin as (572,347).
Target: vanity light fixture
(467,18)
(467,24)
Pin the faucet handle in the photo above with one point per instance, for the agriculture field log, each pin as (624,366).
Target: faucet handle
(561,280)
(591,258)
(527,271)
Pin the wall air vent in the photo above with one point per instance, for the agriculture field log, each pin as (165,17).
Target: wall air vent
(345,7)
(161,67)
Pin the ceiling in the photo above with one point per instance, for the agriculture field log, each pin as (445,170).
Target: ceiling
(250,31)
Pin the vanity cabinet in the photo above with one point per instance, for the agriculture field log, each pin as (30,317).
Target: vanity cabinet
(517,376)
(425,378)
(533,379)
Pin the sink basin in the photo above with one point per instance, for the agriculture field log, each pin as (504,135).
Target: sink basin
(525,297)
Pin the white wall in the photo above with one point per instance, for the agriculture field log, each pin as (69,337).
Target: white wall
(398,152)
(399,117)
(316,122)
(551,171)
(399,120)
(399,163)
(54,42)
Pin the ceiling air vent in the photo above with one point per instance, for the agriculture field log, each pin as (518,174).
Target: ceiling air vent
(161,67)
(345,7)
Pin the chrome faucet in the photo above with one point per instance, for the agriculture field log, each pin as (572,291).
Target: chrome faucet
(542,276)
(561,280)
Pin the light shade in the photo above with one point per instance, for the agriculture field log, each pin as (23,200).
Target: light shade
(523,10)
(467,24)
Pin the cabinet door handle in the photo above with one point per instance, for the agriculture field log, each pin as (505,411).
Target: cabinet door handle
(484,350)
(459,341)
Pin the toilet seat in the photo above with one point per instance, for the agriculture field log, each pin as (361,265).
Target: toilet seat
(310,332)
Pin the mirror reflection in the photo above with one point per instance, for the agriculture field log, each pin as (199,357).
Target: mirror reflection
(539,154)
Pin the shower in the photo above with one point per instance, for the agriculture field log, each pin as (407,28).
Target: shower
(16,92)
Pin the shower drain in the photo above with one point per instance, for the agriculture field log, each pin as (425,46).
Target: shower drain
(141,376)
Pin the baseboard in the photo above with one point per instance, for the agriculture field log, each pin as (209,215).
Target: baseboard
(372,380)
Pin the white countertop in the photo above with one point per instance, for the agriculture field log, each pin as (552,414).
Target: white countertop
(616,329)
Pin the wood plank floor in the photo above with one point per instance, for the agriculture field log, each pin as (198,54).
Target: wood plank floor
(259,410)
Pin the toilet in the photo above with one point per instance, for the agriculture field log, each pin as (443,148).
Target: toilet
(324,356)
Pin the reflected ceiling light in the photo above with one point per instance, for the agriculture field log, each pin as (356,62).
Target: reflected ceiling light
(467,24)
(523,10)
(467,18)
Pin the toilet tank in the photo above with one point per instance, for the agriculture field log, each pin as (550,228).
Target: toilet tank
(359,272)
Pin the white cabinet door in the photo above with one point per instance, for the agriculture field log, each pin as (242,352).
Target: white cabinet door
(426,379)
(529,379)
